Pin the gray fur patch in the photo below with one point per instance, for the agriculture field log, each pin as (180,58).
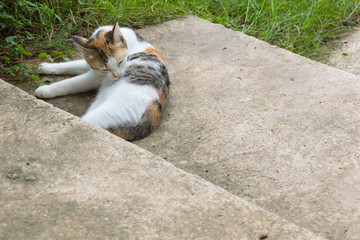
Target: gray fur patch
(142,71)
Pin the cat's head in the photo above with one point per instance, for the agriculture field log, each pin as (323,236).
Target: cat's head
(105,51)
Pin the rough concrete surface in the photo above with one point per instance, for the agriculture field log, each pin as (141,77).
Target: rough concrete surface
(267,125)
(61,178)
(346,54)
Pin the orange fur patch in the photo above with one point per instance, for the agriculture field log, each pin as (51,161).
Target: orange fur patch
(93,62)
(148,122)
(162,98)
(166,89)
(154,110)
(116,50)
(156,53)
(123,134)
(99,41)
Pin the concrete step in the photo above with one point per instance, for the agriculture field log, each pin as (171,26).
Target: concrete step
(62,178)
(267,125)
(272,127)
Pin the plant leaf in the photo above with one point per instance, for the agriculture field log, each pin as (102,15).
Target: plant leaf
(34,78)
(46,79)
(11,39)
(42,55)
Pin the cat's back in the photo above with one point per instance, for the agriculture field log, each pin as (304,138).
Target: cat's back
(146,68)
(144,71)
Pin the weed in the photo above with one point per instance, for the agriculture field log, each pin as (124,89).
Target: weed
(34,30)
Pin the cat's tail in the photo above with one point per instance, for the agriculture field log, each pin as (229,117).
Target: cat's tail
(148,122)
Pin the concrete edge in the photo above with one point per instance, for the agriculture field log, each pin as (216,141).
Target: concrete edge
(278,225)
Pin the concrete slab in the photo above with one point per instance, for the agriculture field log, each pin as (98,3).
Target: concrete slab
(270,126)
(61,178)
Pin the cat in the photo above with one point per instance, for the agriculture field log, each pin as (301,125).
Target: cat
(130,75)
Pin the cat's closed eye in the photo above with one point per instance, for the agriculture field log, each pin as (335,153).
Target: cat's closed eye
(120,63)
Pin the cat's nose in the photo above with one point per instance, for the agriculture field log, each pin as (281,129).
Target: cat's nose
(116,76)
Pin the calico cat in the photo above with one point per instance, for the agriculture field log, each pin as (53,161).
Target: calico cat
(130,74)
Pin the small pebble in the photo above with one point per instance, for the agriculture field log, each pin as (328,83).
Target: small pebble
(30,178)
(262,235)
(12,175)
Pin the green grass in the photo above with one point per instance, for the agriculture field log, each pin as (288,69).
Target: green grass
(33,29)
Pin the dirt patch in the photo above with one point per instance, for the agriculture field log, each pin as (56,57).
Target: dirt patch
(76,104)
(346,53)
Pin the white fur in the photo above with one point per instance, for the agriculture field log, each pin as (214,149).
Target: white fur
(72,68)
(117,102)
(81,83)
(115,70)
(120,104)
(133,45)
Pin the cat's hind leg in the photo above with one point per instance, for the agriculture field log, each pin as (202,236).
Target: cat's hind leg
(101,97)
(124,104)
(72,68)
(81,83)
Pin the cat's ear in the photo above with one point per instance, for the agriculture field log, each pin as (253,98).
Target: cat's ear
(81,42)
(117,37)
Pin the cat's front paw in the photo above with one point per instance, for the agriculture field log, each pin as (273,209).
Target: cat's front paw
(48,68)
(45,91)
